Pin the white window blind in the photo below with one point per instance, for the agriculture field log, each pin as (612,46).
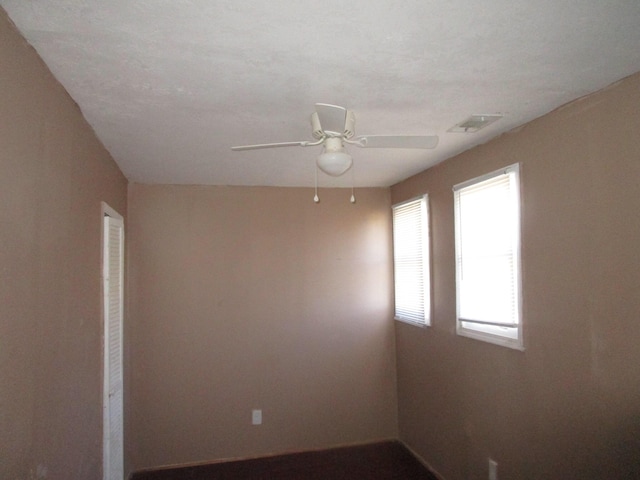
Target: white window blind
(487,211)
(411,261)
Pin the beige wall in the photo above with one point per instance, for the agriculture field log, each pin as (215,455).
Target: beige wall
(53,176)
(288,309)
(568,407)
(248,298)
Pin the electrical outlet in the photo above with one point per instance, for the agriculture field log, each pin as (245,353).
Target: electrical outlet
(256,417)
(40,473)
(493,470)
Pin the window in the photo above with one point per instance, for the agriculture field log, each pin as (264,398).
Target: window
(487,229)
(411,261)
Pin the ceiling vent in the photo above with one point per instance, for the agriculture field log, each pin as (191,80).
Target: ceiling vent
(475,123)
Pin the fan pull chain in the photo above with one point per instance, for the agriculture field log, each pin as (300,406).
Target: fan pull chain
(315,197)
(353,181)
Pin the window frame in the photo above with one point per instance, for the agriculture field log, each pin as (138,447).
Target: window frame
(425,260)
(511,337)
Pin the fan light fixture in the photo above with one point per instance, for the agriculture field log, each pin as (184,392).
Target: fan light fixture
(333,126)
(334,160)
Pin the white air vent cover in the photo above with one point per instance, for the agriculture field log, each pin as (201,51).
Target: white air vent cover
(475,123)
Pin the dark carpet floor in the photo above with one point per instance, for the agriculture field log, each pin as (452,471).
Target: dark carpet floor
(379,461)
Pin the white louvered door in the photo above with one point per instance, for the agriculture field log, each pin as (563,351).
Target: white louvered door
(113,279)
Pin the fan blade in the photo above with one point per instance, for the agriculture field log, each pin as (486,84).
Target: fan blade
(397,141)
(270,145)
(332,118)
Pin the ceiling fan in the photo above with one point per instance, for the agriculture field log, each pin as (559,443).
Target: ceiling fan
(332,127)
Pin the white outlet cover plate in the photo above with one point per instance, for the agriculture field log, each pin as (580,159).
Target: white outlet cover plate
(493,470)
(256,417)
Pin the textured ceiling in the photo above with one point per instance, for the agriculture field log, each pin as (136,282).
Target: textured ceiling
(170,86)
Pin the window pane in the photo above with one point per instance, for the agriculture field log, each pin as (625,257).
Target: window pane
(411,261)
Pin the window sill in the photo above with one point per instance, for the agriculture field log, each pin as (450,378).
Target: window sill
(409,322)
(514,343)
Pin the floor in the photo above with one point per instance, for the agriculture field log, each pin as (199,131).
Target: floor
(378,461)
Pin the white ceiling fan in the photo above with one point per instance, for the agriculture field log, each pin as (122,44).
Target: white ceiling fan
(332,127)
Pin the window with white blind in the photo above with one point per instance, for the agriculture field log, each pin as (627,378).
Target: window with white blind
(487,229)
(411,261)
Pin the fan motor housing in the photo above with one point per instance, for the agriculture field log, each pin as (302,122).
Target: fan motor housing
(349,126)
